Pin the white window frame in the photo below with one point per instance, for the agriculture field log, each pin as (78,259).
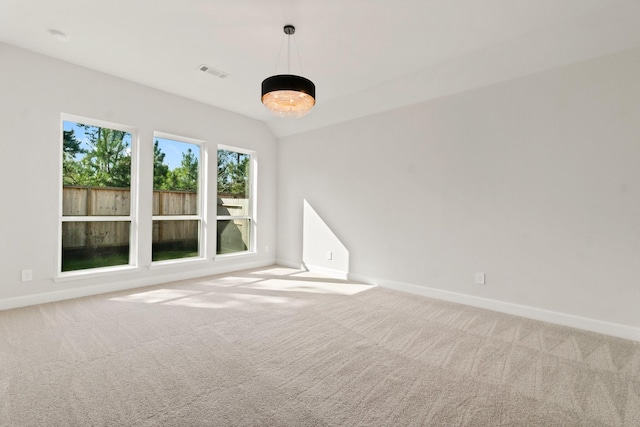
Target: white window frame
(253,169)
(133,216)
(201,209)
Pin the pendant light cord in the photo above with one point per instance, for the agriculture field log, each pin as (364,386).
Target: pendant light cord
(298,54)
(288,70)
(288,52)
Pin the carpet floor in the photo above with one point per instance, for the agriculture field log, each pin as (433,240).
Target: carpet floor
(281,347)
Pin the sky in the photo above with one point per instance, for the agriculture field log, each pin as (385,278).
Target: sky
(173,149)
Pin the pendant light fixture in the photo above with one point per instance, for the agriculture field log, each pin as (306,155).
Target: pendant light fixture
(288,95)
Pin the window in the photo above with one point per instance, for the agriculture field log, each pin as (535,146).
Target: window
(97,205)
(177,212)
(235,201)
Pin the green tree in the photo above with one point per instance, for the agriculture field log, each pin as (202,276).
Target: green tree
(185,176)
(73,171)
(160,169)
(70,146)
(233,172)
(108,159)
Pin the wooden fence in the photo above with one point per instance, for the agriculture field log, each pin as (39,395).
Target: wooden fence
(95,201)
(106,201)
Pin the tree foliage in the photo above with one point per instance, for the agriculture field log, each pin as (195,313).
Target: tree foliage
(108,159)
(185,176)
(233,173)
(71,146)
(72,170)
(160,170)
(106,162)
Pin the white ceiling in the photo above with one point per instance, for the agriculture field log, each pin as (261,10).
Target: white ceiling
(365,56)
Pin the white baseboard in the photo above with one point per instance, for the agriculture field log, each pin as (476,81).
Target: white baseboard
(329,272)
(112,286)
(336,274)
(289,264)
(578,322)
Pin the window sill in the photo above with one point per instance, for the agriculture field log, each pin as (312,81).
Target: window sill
(94,272)
(243,254)
(177,262)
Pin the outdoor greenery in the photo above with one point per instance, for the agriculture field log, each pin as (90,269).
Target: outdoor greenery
(72,263)
(184,177)
(106,162)
(233,173)
(173,254)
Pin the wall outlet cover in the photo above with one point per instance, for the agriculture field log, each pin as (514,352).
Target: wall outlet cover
(27,275)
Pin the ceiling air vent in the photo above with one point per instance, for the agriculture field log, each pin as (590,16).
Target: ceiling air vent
(213,71)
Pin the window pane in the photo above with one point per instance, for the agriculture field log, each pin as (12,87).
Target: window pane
(233,183)
(96,170)
(233,236)
(95,244)
(175,239)
(175,177)
(232,206)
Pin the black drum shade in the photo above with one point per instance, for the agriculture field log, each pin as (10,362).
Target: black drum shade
(288,95)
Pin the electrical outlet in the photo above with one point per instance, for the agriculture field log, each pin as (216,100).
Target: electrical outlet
(266,248)
(27,275)
(329,255)
(481,279)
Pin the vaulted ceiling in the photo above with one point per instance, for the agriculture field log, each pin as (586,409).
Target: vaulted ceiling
(365,56)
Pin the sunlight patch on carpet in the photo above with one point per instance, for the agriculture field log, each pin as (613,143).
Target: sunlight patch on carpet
(309,286)
(277,271)
(230,301)
(228,281)
(156,296)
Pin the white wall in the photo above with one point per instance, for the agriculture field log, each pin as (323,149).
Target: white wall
(34,91)
(534,181)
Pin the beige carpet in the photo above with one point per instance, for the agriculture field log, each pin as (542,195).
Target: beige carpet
(276,347)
